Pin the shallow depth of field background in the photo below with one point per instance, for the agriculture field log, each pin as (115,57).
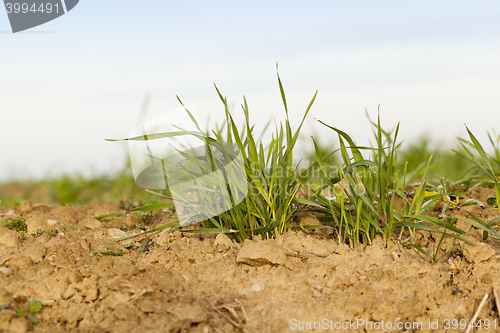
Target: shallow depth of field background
(67,85)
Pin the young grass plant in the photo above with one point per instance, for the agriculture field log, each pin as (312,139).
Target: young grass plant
(368,200)
(271,178)
(486,168)
(434,255)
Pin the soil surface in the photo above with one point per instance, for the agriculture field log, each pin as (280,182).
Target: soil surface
(185,282)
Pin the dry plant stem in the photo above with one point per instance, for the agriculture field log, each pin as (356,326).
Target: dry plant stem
(232,312)
(497,299)
(243,310)
(473,320)
(238,325)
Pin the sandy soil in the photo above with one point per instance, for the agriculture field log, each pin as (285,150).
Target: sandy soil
(206,283)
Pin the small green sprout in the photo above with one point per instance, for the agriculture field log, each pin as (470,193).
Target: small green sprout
(435,249)
(27,310)
(34,305)
(21,312)
(65,227)
(142,248)
(491,200)
(40,232)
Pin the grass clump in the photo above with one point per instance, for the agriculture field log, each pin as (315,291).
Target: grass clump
(271,178)
(367,198)
(485,169)
(17,224)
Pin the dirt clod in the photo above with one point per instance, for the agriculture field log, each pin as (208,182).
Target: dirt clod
(44,221)
(90,223)
(261,253)
(478,253)
(8,238)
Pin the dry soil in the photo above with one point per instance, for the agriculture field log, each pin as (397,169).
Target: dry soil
(185,282)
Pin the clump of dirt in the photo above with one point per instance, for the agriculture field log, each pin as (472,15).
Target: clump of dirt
(183,282)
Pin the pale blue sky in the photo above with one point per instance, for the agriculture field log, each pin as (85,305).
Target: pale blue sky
(70,83)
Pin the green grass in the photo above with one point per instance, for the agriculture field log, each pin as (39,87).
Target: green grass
(17,224)
(484,169)
(271,178)
(369,198)
(367,183)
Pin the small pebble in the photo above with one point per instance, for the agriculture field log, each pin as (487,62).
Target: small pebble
(116,233)
(6,270)
(51,222)
(256,288)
